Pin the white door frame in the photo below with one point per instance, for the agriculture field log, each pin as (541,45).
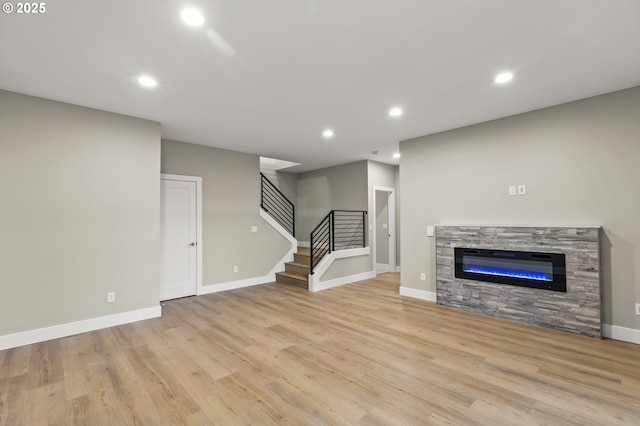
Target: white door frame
(198,182)
(391,207)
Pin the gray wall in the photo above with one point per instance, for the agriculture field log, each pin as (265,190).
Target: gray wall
(79,217)
(579,162)
(335,188)
(347,266)
(231,202)
(287,183)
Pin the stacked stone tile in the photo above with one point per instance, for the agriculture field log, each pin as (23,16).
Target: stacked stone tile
(576,311)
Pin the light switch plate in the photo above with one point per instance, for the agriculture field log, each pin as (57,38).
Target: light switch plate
(522,190)
(430,231)
(512,190)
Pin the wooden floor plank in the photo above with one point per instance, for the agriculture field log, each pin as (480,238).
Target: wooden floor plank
(355,354)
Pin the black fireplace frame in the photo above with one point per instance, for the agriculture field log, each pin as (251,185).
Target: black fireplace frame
(557,260)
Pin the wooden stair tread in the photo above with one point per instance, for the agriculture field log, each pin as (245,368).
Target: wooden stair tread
(293,275)
(294,263)
(297,272)
(292,279)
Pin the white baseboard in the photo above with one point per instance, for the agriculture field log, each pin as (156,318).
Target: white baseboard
(624,334)
(418,294)
(381,268)
(306,244)
(232,285)
(69,329)
(323,285)
(270,277)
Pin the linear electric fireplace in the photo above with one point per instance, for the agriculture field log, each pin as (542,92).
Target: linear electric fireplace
(521,268)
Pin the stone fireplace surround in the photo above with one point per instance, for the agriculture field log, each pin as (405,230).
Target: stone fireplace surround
(576,311)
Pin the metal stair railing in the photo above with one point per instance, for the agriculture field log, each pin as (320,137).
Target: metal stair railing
(339,230)
(274,202)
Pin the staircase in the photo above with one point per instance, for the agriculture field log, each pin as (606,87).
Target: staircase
(297,272)
(339,230)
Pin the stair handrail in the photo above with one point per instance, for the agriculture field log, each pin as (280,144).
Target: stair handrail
(320,241)
(338,230)
(279,207)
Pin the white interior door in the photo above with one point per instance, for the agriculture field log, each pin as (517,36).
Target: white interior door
(178,243)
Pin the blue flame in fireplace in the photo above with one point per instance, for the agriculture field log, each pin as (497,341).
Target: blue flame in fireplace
(511,273)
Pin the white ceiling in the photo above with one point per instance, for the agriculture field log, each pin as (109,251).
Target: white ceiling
(268,76)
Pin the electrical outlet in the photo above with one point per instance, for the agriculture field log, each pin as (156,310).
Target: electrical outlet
(111,297)
(235,269)
(512,190)
(637,308)
(254,228)
(423,277)
(522,190)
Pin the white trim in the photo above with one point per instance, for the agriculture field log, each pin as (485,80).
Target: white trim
(391,229)
(429,296)
(381,268)
(288,257)
(271,221)
(69,329)
(323,285)
(624,334)
(306,244)
(321,268)
(232,285)
(198,181)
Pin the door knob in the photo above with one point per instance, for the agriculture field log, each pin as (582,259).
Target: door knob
(192,244)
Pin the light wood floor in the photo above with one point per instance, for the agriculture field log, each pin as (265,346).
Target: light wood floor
(357,354)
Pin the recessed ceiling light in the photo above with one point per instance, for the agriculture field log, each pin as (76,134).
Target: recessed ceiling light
(395,112)
(147,81)
(396,155)
(328,133)
(192,17)
(503,77)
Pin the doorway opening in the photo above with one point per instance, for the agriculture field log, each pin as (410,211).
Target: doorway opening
(384,229)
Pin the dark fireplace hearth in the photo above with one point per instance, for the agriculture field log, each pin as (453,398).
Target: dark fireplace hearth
(520,268)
